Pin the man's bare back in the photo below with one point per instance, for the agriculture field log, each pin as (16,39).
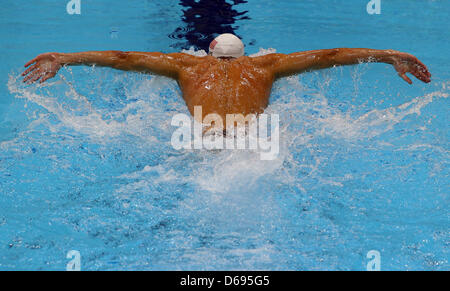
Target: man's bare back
(225,85)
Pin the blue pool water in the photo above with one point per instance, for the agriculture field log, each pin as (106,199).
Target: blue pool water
(86,162)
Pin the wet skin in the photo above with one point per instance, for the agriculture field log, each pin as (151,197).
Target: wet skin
(225,86)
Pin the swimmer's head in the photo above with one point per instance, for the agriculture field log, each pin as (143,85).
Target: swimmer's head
(226,45)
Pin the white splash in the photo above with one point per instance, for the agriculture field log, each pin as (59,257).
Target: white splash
(263,52)
(193,52)
(84,118)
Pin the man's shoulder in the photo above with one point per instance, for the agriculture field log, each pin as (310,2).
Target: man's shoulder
(266,59)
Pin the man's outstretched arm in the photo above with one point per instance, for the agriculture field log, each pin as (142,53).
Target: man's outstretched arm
(46,66)
(285,65)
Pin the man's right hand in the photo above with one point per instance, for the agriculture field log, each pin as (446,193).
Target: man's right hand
(45,66)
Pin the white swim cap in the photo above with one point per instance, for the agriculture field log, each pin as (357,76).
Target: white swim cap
(227,45)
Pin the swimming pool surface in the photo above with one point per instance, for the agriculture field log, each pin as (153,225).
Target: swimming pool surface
(86,162)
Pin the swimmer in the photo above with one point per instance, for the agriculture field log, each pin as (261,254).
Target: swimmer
(226,81)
